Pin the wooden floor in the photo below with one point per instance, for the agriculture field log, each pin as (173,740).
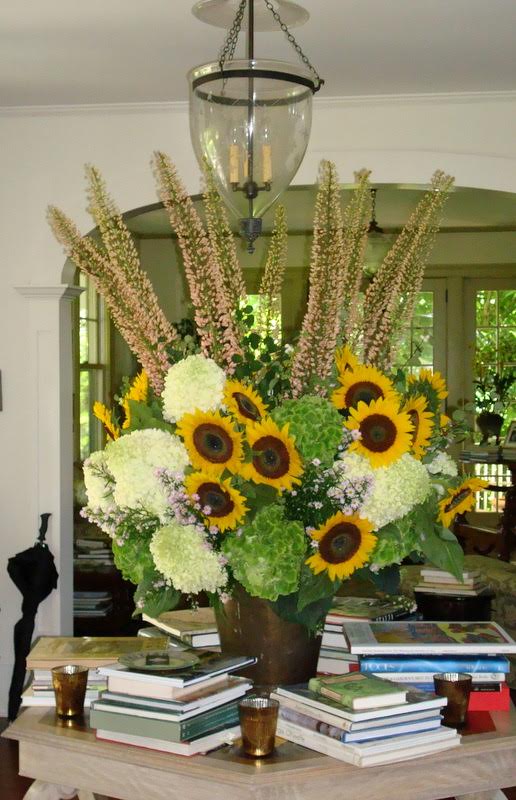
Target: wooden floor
(13,786)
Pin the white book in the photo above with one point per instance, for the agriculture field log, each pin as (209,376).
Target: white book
(334,639)
(29,699)
(458,591)
(417,700)
(428,677)
(201,745)
(333,666)
(440,575)
(206,670)
(172,713)
(319,715)
(350,754)
(428,638)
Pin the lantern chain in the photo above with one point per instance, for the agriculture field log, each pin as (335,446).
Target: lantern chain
(228,48)
(295,45)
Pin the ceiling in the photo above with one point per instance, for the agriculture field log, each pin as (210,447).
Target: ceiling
(467,211)
(60,52)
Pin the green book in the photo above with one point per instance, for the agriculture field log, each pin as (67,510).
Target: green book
(155,725)
(358,690)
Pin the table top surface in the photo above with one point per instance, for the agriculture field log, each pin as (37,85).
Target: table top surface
(289,762)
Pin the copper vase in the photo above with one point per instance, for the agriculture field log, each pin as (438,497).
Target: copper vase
(287,653)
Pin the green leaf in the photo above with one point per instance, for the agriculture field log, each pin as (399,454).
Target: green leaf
(155,600)
(313,588)
(142,417)
(441,547)
(312,616)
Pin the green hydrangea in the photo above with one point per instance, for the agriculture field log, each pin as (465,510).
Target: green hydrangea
(266,556)
(316,425)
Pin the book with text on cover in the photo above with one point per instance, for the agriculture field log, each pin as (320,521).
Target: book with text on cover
(87,651)
(434,638)
(358,691)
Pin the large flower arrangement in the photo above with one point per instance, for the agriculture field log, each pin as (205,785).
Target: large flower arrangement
(281,469)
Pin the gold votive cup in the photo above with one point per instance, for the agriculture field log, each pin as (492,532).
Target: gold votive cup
(258,720)
(69,683)
(456,687)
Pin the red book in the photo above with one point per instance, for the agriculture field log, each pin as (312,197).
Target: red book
(490,701)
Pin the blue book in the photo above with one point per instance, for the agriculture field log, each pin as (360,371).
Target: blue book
(386,732)
(434,664)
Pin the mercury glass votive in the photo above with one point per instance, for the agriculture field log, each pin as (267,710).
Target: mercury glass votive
(69,682)
(456,687)
(258,720)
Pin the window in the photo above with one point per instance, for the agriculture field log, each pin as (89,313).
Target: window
(92,368)
(257,302)
(423,342)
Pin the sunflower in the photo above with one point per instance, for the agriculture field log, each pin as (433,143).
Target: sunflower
(243,402)
(434,379)
(345,360)
(275,460)
(138,392)
(345,544)
(444,421)
(105,415)
(211,440)
(364,383)
(422,421)
(385,431)
(460,500)
(226,505)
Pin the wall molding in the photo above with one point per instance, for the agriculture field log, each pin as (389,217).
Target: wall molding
(181,106)
(49,292)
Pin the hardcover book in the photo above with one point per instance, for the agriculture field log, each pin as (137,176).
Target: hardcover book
(434,664)
(434,638)
(159,726)
(87,651)
(191,748)
(358,691)
(193,626)
(416,701)
(209,666)
(368,608)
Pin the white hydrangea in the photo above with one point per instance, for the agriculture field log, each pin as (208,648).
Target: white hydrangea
(184,557)
(396,489)
(194,382)
(442,464)
(134,459)
(99,490)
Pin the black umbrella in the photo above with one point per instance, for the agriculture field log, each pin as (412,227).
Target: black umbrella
(34,573)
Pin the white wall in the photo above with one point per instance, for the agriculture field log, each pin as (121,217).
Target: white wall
(41,158)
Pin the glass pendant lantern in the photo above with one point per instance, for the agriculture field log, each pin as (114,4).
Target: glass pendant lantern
(250,118)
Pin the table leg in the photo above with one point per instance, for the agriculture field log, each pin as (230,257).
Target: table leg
(39,790)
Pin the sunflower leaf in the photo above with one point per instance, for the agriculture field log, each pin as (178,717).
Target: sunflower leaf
(441,547)
(142,417)
(313,588)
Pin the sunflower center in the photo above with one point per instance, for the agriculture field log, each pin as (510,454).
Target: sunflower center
(214,496)
(213,442)
(457,499)
(271,457)
(378,432)
(367,391)
(340,543)
(246,406)
(414,418)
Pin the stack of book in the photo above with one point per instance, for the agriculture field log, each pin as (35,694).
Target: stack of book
(363,720)
(87,651)
(185,712)
(335,658)
(92,604)
(92,552)
(411,653)
(438,581)
(194,627)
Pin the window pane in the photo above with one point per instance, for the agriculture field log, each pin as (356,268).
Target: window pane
(486,345)
(507,346)
(507,308)
(416,348)
(486,308)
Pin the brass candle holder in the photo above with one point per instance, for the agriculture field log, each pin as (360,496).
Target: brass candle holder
(69,682)
(258,720)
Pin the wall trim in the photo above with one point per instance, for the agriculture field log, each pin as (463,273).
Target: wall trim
(181,106)
(61,290)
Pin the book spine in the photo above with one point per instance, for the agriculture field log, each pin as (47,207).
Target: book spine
(311,723)
(490,701)
(427,677)
(315,741)
(433,665)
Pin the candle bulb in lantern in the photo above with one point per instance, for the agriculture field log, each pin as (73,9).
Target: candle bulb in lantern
(267,163)
(233,163)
